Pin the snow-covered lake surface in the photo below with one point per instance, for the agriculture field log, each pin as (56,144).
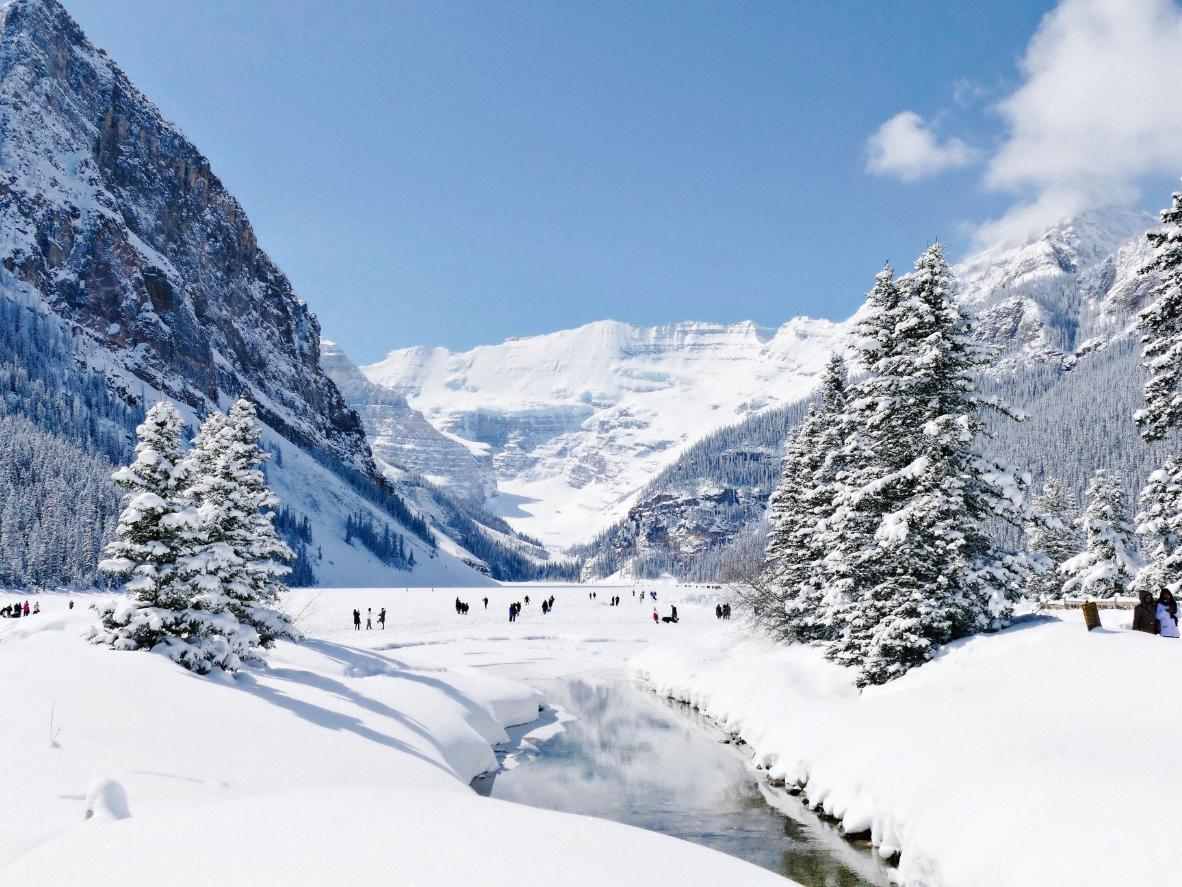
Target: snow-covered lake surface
(347,761)
(1027,757)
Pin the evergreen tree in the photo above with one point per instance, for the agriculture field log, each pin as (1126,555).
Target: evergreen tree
(911,552)
(151,540)
(1050,535)
(1107,565)
(1159,524)
(1162,325)
(264,554)
(789,601)
(236,561)
(1160,521)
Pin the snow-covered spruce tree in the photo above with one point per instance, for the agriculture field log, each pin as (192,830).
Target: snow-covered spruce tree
(791,605)
(1107,565)
(910,543)
(152,537)
(1162,326)
(1050,537)
(1159,522)
(848,530)
(786,517)
(236,563)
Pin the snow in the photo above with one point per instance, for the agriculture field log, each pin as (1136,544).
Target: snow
(1032,756)
(343,762)
(579,420)
(1070,245)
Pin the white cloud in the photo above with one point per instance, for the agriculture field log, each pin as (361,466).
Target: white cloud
(1099,108)
(906,147)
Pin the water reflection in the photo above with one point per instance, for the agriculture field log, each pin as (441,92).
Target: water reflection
(636,759)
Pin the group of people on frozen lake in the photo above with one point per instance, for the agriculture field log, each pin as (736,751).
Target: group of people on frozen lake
(1158,617)
(515,607)
(369,619)
(16,610)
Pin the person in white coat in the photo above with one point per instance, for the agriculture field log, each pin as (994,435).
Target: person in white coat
(1167,614)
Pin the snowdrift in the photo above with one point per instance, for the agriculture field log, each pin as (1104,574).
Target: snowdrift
(1039,755)
(335,765)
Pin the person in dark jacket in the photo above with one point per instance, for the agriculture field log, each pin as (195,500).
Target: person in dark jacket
(357,620)
(1145,614)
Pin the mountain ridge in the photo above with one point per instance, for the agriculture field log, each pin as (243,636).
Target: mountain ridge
(536,403)
(1066,352)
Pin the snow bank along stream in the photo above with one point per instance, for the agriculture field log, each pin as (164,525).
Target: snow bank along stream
(345,761)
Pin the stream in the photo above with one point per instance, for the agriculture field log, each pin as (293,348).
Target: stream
(606,746)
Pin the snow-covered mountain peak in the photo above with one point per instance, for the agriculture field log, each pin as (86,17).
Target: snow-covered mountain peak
(578,420)
(1069,247)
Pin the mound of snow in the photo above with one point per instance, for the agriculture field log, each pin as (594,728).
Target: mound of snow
(1040,755)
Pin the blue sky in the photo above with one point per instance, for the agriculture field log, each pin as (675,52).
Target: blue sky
(449,173)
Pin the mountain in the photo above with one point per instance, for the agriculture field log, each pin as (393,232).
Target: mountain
(445,479)
(667,439)
(1059,313)
(577,422)
(128,273)
(401,438)
(1063,293)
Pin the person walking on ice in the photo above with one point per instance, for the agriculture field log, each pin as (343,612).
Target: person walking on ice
(382,618)
(357,620)
(369,619)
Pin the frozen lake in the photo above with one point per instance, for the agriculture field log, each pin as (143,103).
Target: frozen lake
(606,746)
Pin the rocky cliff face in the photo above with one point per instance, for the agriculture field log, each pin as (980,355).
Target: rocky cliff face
(401,439)
(144,274)
(120,226)
(1062,294)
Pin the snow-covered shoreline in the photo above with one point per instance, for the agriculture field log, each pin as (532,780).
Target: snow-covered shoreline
(1008,760)
(346,760)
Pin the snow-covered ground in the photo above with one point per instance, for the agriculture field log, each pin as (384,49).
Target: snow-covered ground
(1041,755)
(345,762)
